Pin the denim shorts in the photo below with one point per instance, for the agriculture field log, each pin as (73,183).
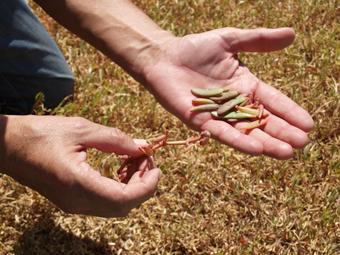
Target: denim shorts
(30,62)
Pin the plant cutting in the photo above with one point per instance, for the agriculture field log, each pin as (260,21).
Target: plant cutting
(230,106)
(159,142)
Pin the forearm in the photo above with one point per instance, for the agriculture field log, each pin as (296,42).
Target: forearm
(115,27)
(10,131)
(3,124)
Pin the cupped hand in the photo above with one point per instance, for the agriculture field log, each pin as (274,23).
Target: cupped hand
(209,60)
(48,154)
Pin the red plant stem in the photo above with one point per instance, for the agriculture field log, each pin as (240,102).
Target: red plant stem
(123,165)
(186,142)
(190,140)
(163,142)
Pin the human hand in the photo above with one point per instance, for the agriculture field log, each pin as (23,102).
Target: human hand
(210,60)
(48,154)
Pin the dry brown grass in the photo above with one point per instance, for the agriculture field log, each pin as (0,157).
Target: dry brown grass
(210,200)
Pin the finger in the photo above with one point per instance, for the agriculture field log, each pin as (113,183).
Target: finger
(110,140)
(133,167)
(283,107)
(138,189)
(280,129)
(225,133)
(275,140)
(272,147)
(140,165)
(145,166)
(141,142)
(257,40)
(107,198)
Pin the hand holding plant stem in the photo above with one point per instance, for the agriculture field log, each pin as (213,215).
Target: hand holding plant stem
(161,141)
(169,67)
(48,154)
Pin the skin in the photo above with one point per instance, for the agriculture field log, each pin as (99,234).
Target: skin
(48,153)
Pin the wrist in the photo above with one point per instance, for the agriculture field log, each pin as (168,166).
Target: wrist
(150,51)
(3,123)
(13,130)
(5,131)
(117,28)
(135,44)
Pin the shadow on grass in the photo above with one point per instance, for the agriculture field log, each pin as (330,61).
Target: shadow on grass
(45,237)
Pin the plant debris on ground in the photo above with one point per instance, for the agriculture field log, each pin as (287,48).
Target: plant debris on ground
(214,200)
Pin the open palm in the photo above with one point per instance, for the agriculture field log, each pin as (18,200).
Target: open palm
(210,60)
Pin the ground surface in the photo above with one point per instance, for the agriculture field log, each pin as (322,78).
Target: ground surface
(215,200)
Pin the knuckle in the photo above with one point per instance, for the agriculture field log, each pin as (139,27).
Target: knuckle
(80,122)
(119,136)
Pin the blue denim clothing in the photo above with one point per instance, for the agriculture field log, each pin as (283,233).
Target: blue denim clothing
(30,61)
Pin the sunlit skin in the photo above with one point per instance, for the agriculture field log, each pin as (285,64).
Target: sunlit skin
(48,154)
(169,67)
(150,150)
(218,66)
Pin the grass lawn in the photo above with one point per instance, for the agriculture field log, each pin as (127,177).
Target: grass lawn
(214,200)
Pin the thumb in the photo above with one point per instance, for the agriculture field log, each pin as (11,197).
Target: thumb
(138,189)
(110,140)
(258,40)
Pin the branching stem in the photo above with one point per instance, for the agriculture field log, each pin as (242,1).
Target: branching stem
(162,141)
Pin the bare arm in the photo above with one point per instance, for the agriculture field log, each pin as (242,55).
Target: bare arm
(170,66)
(115,27)
(48,154)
